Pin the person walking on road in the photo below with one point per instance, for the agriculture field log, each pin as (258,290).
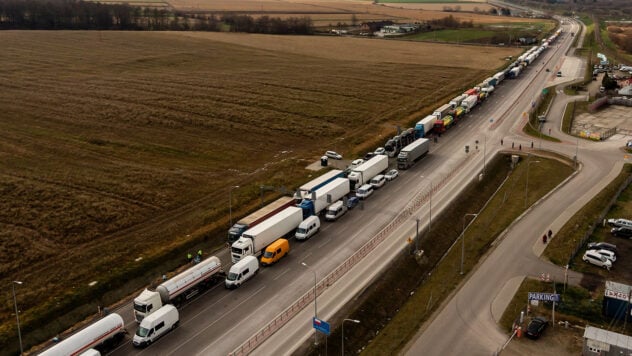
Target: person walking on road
(544,238)
(550,233)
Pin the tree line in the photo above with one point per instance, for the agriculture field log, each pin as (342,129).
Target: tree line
(87,15)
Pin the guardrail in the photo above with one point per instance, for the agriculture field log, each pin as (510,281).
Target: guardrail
(417,201)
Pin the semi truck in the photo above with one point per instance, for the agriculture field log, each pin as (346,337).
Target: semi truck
(514,72)
(180,288)
(470,102)
(442,125)
(499,77)
(305,190)
(106,332)
(368,170)
(255,240)
(325,196)
(423,127)
(442,111)
(413,152)
(456,102)
(258,216)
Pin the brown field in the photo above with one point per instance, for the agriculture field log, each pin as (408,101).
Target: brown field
(118,145)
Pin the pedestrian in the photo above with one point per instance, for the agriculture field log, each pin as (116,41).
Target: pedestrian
(189,257)
(549,132)
(512,145)
(531,144)
(200,253)
(550,233)
(520,147)
(544,238)
(501,141)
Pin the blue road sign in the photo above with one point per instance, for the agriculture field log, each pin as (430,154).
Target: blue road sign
(321,326)
(547,297)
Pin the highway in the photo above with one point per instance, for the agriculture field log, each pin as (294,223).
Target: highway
(220,320)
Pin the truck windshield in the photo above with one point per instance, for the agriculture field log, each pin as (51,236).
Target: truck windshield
(142,332)
(140,307)
(231,276)
(236,250)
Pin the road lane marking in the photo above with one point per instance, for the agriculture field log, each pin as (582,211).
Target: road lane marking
(281,274)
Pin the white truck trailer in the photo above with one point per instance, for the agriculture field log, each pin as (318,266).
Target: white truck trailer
(180,288)
(109,330)
(442,111)
(470,102)
(305,190)
(255,240)
(413,152)
(325,196)
(454,103)
(367,170)
(423,127)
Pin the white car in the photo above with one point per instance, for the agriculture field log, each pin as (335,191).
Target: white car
(591,256)
(392,174)
(333,154)
(607,254)
(356,162)
(380,151)
(377,181)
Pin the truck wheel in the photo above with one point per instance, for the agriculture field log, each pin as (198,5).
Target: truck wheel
(175,325)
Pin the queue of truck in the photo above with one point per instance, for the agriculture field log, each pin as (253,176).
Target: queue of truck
(266,232)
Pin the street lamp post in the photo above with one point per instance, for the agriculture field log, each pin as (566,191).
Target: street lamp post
(315,304)
(463,239)
(17,316)
(230,204)
(343,332)
(526,186)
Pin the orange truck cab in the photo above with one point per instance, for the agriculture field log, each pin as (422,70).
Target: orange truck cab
(275,251)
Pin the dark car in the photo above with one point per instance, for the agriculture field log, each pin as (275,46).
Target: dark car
(536,327)
(602,246)
(621,232)
(352,202)
(368,156)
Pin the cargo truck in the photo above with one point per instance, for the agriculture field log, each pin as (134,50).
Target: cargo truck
(180,288)
(514,72)
(423,127)
(325,196)
(470,102)
(369,169)
(305,190)
(260,215)
(106,332)
(413,152)
(442,111)
(471,92)
(442,125)
(255,240)
(457,113)
(499,77)
(456,102)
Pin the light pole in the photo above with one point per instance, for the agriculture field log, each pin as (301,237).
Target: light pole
(17,317)
(343,332)
(230,204)
(315,304)
(526,186)
(463,239)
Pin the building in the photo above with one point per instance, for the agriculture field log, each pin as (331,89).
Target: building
(397,30)
(374,26)
(603,343)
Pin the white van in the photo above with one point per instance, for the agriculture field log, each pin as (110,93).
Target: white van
(364,191)
(155,325)
(335,210)
(307,228)
(242,271)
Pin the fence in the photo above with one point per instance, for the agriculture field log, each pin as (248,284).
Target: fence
(417,201)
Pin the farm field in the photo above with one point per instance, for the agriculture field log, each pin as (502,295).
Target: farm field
(119,147)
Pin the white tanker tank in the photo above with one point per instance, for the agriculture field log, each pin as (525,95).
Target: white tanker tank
(107,331)
(180,288)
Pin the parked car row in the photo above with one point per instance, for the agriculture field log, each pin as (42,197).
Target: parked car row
(601,254)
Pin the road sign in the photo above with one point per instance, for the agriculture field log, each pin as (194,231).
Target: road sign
(547,297)
(321,325)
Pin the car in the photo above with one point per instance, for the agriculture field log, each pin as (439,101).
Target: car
(377,181)
(593,257)
(356,162)
(621,231)
(333,154)
(620,222)
(352,202)
(559,74)
(392,174)
(380,151)
(602,246)
(548,70)
(369,155)
(607,254)
(536,327)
